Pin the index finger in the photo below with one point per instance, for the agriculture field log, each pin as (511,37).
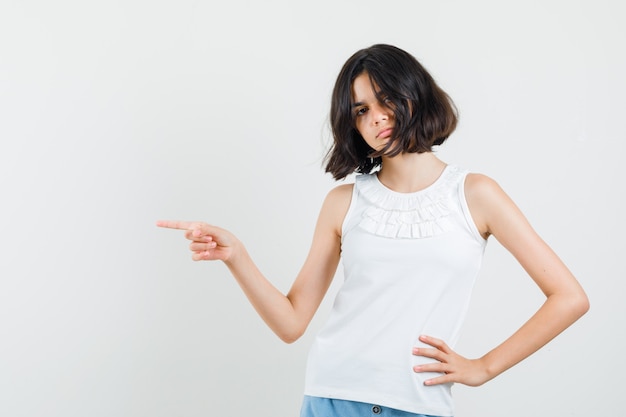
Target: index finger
(438,343)
(175,224)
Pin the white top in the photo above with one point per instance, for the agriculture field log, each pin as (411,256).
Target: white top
(410,262)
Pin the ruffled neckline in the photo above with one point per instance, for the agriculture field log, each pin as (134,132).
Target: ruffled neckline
(415,215)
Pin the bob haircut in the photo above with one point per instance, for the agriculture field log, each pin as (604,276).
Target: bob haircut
(424,115)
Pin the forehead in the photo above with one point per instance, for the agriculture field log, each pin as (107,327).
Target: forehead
(363,88)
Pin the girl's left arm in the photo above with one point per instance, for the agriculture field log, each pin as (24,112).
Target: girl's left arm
(495,214)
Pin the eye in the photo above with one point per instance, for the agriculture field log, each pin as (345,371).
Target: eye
(360,111)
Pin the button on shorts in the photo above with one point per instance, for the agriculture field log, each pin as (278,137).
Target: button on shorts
(328,407)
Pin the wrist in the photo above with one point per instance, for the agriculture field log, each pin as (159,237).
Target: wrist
(489,369)
(236,252)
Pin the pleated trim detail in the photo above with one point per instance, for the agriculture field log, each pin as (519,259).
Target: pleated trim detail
(417,215)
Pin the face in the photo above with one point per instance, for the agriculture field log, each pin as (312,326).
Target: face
(374,119)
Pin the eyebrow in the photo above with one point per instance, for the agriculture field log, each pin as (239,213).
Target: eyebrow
(362,103)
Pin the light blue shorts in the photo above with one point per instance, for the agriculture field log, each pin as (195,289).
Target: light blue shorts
(328,407)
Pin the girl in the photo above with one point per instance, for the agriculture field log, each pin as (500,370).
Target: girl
(410,231)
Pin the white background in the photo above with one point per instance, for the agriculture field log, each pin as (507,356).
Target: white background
(115,114)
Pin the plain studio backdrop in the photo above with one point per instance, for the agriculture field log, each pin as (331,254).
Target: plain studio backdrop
(115,114)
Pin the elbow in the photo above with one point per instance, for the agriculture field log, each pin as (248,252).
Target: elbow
(290,327)
(578,304)
(582,304)
(289,337)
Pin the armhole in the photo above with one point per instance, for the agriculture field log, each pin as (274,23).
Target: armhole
(346,219)
(466,212)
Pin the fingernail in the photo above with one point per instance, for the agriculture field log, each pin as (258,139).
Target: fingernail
(415,351)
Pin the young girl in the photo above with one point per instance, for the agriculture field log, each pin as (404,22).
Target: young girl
(411,233)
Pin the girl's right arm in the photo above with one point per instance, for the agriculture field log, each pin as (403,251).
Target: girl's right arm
(287,315)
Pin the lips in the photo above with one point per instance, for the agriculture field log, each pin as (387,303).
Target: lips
(385,133)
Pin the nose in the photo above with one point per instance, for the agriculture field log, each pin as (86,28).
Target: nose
(380,114)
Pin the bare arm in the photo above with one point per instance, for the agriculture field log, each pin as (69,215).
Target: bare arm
(495,214)
(287,315)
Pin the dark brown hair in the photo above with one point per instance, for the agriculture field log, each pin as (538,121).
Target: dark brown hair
(424,114)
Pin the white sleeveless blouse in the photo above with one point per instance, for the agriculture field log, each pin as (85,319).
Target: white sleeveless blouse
(410,261)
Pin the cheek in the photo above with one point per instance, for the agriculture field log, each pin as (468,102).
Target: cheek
(360,126)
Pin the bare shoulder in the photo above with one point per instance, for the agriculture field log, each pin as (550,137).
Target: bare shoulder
(338,199)
(477,185)
(336,206)
(486,200)
(341,193)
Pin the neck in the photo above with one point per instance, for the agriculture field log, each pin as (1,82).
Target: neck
(410,172)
